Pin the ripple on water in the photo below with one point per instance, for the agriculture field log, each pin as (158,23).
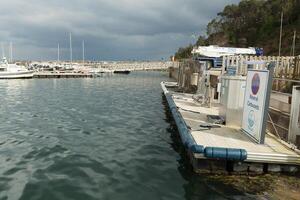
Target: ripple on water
(104,138)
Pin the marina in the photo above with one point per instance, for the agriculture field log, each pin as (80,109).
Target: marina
(151,100)
(92,70)
(76,70)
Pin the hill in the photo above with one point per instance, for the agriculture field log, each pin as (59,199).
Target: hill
(253,23)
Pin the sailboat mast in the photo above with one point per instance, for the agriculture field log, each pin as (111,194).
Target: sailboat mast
(58,53)
(2,50)
(10,52)
(83,52)
(71,58)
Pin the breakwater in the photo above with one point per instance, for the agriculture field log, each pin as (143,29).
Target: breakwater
(136,66)
(103,65)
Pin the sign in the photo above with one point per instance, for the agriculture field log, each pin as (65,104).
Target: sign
(256,103)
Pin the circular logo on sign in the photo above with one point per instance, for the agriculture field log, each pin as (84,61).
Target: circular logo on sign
(255,84)
(251,120)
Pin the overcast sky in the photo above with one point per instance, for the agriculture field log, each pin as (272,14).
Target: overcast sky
(111,29)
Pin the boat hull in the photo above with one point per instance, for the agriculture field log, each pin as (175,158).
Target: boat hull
(122,72)
(16,75)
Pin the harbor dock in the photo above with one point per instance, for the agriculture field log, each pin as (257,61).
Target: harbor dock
(219,148)
(240,115)
(62,75)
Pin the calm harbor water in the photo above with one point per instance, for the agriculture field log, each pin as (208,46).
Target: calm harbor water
(104,138)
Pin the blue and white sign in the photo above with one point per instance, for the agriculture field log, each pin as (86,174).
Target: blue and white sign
(254,104)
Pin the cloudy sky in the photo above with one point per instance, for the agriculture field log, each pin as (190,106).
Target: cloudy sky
(111,29)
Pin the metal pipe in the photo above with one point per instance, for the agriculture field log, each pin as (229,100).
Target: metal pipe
(288,80)
(286,94)
(273,125)
(281,127)
(273,158)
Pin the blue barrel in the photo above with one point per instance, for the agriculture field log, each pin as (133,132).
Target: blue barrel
(196,148)
(225,153)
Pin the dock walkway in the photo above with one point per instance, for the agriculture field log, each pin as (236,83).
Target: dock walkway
(272,156)
(61,75)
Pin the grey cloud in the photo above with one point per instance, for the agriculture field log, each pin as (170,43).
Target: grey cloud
(120,29)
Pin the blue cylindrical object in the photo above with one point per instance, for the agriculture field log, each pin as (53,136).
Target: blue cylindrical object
(185,135)
(196,148)
(225,153)
(190,144)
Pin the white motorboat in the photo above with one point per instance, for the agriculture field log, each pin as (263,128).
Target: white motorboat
(12,71)
(100,72)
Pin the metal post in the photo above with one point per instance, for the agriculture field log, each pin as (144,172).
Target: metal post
(294,44)
(280,37)
(267,101)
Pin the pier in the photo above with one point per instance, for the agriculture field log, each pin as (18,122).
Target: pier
(207,105)
(220,148)
(61,75)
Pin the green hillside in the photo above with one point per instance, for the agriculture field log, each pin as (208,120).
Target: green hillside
(253,23)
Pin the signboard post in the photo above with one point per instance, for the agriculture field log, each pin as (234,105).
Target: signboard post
(256,103)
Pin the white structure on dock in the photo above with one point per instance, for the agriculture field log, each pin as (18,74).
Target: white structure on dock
(216,51)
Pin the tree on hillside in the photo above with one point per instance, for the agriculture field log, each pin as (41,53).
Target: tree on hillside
(253,23)
(184,52)
(202,41)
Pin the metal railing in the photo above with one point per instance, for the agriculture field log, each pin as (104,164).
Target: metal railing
(285,67)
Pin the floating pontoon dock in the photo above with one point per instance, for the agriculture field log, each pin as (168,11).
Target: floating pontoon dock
(224,148)
(62,75)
